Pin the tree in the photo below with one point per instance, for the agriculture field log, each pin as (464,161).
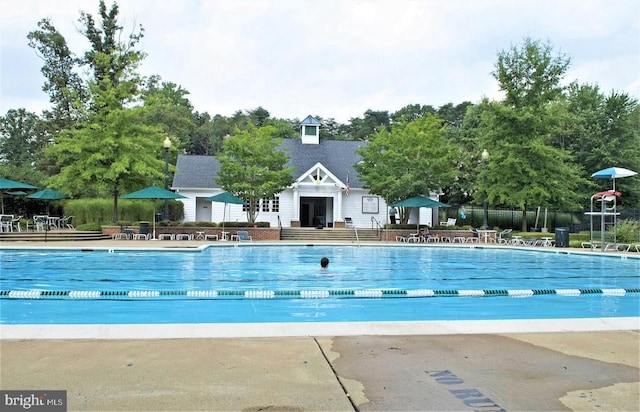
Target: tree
(412,159)
(410,113)
(112,154)
(524,169)
(113,61)
(22,138)
(113,150)
(530,74)
(252,167)
(373,121)
(167,106)
(67,91)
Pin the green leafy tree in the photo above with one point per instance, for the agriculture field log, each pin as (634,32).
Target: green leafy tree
(411,112)
(113,154)
(524,170)
(113,61)
(412,159)
(22,139)
(167,106)
(253,168)
(67,92)
(113,150)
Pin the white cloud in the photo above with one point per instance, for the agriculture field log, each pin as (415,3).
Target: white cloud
(335,58)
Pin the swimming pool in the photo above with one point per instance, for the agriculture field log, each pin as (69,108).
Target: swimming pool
(285,284)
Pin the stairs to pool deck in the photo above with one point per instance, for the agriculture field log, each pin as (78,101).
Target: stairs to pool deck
(290,234)
(327,234)
(52,236)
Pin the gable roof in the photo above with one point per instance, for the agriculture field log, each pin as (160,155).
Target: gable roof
(338,156)
(310,121)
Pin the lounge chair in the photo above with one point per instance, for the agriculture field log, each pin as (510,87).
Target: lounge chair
(475,237)
(618,247)
(243,236)
(503,237)
(211,236)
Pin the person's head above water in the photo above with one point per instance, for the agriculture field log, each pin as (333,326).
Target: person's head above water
(324,262)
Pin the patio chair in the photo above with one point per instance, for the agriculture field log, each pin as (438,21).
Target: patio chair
(67,222)
(348,222)
(5,223)
(243,236)
(450,222)
(41,223)
(15,224)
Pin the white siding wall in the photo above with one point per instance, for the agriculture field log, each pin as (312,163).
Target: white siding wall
(351,207)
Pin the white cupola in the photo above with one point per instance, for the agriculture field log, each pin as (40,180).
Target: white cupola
(310,130)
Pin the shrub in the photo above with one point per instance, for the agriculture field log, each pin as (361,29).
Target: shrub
(627,231)
(101,210)
(90,227)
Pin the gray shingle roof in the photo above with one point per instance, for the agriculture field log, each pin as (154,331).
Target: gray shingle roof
(336,155)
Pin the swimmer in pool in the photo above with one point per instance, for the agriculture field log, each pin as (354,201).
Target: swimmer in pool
(324,263)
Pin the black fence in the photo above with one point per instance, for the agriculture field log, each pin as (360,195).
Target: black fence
(537,219)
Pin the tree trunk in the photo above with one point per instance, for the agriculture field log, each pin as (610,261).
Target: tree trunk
(115,206)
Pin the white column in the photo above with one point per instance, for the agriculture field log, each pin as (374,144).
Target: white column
(296,203)
(337,212)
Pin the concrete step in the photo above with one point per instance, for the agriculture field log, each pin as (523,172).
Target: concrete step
(327,234)
(52,236)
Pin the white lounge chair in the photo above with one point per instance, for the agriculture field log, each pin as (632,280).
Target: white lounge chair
(502,236)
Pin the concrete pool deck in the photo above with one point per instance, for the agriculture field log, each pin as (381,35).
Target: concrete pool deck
(587,364)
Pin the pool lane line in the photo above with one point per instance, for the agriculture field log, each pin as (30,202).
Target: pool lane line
(303,294)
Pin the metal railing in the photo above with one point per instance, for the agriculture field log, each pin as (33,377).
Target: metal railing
(355,233)
(375,224)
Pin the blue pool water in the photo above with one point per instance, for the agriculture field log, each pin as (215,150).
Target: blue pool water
(285,284)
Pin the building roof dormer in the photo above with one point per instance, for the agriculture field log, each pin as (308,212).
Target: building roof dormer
(310,130)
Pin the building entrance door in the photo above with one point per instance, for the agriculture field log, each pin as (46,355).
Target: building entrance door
(313,211)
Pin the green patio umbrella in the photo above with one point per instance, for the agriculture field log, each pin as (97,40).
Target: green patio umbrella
(225,197)
(47,194)
(153,192)
(419,201)
(8,185)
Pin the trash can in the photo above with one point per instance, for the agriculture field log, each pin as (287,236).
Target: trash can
(562,237)
(158,217)
(144,228)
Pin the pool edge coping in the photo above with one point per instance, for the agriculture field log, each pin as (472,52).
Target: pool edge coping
(306,329)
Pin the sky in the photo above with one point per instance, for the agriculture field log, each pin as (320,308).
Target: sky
(334,58)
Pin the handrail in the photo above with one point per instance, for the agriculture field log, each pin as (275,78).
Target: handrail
(378,227)
(355,231)
(279,223)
